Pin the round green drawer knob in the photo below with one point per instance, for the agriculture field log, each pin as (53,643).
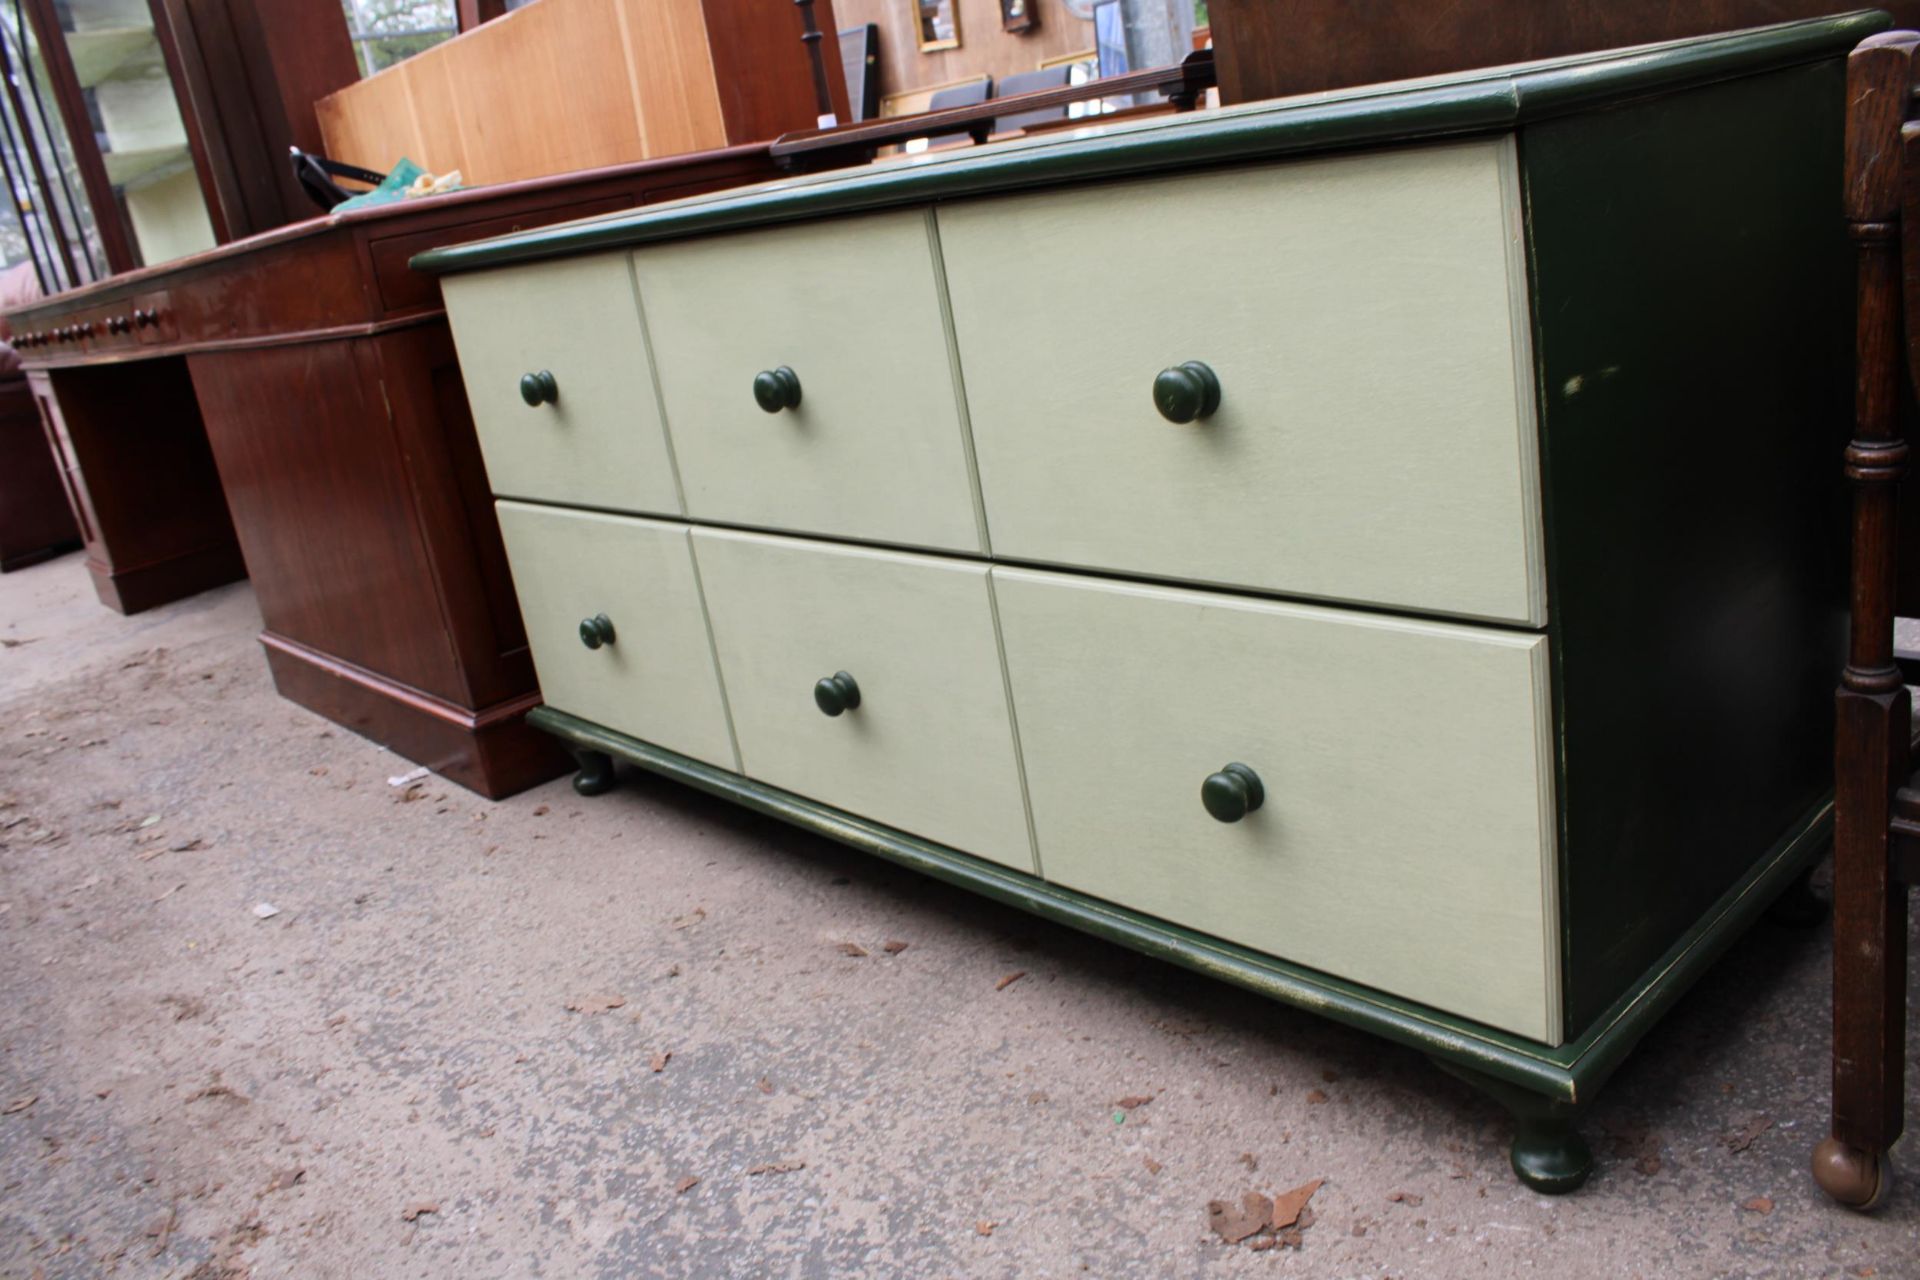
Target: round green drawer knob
(836,693)
(777,389)
(1187,392)
(596,631)
(539,388)
(1232,793)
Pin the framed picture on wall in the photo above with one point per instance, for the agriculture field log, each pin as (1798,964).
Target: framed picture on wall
(939,23)
(1019,15)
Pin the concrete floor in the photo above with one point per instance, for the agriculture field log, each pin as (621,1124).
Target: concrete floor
(385,1078)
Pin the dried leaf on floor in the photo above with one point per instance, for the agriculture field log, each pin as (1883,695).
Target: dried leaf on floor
(1290,1207)
(1743,1139)
(19,1104)
(419,1207)
(1759,1204)
(1407,1198)
(985,1226)
(1316,1096)
(690,919)
(1642,1144)
(1248,1159)
(1133,1101)
(893,946)
(685,1185)
(659,1061)
(541,811)
(853,949)
(766,1085)
(777,1166)
(286,1178)
(162,1231)
(1234,1222)
(1010,979)
(1153,1166)
(595,1003)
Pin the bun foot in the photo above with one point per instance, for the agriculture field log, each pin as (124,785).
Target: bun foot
(1856,1177)
(596,772)
(1549,1155)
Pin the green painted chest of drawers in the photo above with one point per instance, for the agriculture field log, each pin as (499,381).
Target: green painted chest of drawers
(1382,549)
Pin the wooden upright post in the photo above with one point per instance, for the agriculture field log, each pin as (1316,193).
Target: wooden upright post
(1872,728)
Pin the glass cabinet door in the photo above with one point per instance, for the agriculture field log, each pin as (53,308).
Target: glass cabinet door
(92,97)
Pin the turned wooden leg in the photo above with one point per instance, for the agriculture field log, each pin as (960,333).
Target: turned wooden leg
(1548,1154)
(1869,951)
(1872,720)
(1798,907)
(596,772)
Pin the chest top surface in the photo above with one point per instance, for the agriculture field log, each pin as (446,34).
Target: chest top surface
(1488,100)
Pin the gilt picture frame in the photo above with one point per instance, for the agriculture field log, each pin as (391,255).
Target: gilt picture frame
(937,24)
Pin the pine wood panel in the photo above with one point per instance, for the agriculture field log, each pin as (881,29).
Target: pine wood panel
(565,85)
(1405,841)
(876,449)
(508,76)
(656,679)
(930,748)
(372,124)
(600,444)
(1367,321)
(670,76)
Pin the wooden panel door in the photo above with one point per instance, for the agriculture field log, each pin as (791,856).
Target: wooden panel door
(649,669)
(598,442)
(1365,318)
(1404,835)
(929,747)
(875,448)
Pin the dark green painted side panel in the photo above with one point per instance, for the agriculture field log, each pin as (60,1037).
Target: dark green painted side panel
(1693,333)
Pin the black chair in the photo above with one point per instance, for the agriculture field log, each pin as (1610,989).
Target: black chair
(1032,82)
(317,174)
(971,94)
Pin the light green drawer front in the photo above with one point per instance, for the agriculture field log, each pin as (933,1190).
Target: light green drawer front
(600,444)
(656,679)
(930,748)
(1405,840)
(875,450)
(1366,318)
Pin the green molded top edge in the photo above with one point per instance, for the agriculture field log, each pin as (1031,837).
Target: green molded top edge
(1478,101)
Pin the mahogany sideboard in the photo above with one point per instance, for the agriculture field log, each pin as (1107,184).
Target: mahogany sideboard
(288,407)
